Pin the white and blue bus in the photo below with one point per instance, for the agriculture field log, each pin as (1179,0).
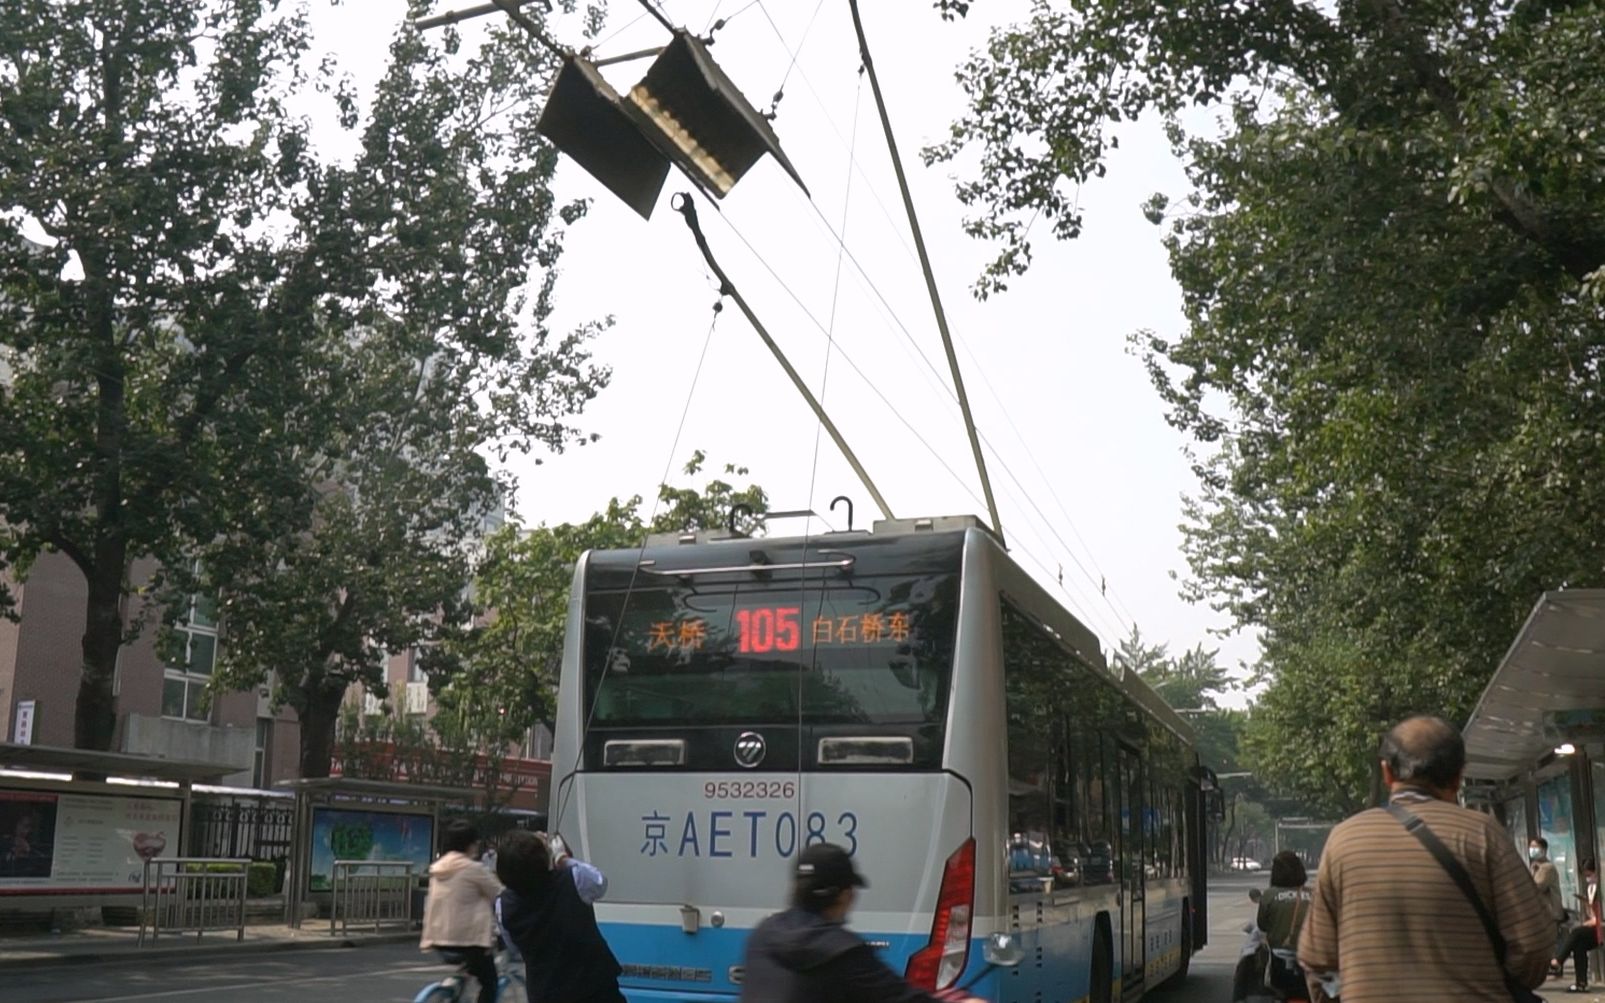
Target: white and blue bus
(910,694)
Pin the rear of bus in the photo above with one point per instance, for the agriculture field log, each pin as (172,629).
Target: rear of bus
(727,703)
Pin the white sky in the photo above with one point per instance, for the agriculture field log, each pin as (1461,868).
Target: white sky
(1049,358)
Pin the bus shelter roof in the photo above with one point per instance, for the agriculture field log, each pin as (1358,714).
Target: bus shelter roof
(388,790)
(52,759)
(1556,664)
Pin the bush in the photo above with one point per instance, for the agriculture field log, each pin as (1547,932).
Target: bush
(261,880)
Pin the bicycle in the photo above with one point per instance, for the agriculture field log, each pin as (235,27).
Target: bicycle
(453,988)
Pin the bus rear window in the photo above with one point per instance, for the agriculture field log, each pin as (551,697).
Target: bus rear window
(873,651)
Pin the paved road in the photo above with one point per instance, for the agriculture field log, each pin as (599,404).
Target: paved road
(1210,980)
(354,975)
(396,972)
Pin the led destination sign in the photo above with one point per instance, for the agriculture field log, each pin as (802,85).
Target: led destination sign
(766,629)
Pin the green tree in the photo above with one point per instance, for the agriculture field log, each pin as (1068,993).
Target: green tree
(451,357)
(1150,661)
(179,399)
(1390,264)
(498,677)
(149,348)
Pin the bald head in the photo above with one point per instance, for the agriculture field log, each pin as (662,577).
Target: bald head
(1424,752)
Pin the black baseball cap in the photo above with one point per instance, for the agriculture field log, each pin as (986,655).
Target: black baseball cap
(826,867)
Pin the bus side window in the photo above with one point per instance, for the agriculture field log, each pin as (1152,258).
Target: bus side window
(1089,705)
(1031,664)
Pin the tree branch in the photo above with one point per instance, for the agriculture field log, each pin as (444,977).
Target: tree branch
(74,553)
(1520,213)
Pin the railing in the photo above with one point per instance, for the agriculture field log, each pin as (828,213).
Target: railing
(370,892)
(193,895)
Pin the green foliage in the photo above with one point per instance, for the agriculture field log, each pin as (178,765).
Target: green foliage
(498,677)
(438,751)
(261,880)
(270,356)
(1394,342)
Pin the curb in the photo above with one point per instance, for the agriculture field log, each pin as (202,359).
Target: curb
(200,952)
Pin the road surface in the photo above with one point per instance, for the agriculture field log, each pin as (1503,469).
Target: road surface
(396,972)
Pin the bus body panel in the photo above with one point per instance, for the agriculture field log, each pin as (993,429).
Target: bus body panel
(681,849)
(722,841)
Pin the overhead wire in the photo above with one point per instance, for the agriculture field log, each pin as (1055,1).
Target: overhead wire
(1099,581)
(845,356)
(813,468)
(1089,613)
(646,532)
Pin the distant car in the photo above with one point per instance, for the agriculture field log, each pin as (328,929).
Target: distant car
(1245,864)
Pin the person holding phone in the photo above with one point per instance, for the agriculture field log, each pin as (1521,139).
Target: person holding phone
(548,912)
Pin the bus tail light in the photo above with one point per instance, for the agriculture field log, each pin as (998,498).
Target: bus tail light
(939,963)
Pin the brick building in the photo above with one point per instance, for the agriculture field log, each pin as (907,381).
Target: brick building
(160,710)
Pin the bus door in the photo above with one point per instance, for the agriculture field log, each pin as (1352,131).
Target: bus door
(1132,858)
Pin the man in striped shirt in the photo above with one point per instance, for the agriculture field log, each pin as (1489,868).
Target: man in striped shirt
(1391,922)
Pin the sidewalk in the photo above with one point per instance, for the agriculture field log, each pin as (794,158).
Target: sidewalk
(113,944)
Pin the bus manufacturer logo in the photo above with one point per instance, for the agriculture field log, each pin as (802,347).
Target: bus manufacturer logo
(750,749)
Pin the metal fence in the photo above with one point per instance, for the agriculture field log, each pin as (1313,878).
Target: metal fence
(261,829)
(368,892)
(193,895)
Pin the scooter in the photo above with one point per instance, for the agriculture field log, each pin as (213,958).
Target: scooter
(1256,946)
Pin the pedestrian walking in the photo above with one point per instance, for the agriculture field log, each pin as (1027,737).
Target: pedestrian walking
(547,911)
(1410,898)
(807,955)
(458,917)
(1585,936)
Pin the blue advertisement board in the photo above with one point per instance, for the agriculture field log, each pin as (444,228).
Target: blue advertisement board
(354,834)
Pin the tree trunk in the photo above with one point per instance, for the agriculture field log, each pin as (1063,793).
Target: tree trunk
(317,730)
(96,718)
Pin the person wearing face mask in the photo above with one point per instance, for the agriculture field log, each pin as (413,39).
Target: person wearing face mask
(1547,878)
(1585,936)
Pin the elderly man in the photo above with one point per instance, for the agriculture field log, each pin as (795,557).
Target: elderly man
(1392,920)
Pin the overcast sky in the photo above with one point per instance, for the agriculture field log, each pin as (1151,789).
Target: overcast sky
(1088,475)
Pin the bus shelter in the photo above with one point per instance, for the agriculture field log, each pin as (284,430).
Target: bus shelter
(77,826)
(384,823)
(1535,744)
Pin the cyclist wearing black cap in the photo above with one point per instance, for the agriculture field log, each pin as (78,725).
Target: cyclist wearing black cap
(807,955)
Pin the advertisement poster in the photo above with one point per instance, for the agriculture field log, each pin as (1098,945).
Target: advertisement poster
(351,834)
(81,842)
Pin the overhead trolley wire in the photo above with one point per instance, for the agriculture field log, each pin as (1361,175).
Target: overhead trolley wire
(646,533)
(1099,581)
(1096,581)
(1087,614)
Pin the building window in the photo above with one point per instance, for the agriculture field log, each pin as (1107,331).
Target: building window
(259,765)
(184,685)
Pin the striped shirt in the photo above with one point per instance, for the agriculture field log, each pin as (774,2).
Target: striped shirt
(1395,926)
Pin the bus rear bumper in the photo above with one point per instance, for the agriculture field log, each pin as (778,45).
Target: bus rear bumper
(675,996)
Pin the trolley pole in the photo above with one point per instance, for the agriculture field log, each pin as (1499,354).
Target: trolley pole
(687,207)
(925,266)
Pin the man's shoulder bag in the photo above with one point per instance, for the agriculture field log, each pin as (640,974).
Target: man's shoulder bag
(1417,827)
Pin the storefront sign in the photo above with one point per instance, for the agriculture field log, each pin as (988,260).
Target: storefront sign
(52,842)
